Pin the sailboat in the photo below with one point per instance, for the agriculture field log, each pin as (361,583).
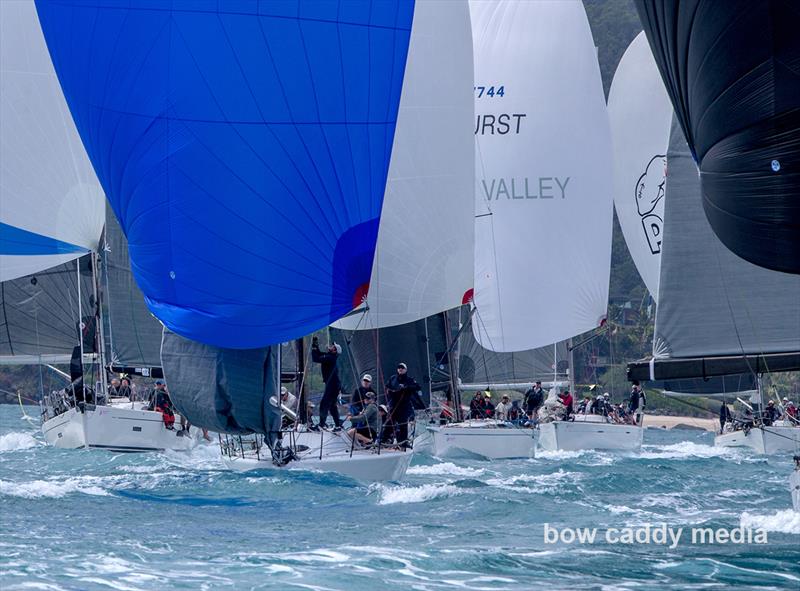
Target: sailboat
(728,289)
(542,165)
(51,255)
(247,157)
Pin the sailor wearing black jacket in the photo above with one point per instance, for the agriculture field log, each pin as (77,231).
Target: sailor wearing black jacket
(330,375)
(400,388)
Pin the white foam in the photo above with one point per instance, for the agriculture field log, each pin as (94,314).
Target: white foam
(545,482)
(686,449)
(445,469)
(561,454)
(17,441)
(785,522)
(48,489)
(416,494)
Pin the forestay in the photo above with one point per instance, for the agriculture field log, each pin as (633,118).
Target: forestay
(51,205)
(711,302)
(543,172)
(423,260)
(640,114)
(244,147)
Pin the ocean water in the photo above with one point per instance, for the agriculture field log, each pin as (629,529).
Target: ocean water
(98,520)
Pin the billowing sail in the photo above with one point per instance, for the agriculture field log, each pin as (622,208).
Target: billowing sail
(711,302)
(134,334)
(640,114)
(543,172)
(244,147)
(51,205)
(731,69)
(423,259)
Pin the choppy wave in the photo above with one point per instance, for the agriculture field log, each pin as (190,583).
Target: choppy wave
(49,489)
(17,441)
(390,495)
(445,469)
(785,522)
(687,449)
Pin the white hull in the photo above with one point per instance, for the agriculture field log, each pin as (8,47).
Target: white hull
(423,439)
(487,439)
(337,455)
(362,465)
(591,432)
(113,428)
(770,440)
(794,486)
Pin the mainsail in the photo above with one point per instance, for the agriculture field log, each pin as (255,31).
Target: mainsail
(640,114)
(543,172)
(423,258)
(40,314)
(244,149)
(51,205)
(731,69)
(134,334)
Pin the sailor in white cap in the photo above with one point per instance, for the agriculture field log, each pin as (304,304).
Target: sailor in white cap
(359,394)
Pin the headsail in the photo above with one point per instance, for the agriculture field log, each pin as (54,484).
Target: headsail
(731,69)
(543,168)
(640,114)
(423,259)
(244,149)
(51,205)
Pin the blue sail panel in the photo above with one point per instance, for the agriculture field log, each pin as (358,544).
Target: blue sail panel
(17,241)
(243,146)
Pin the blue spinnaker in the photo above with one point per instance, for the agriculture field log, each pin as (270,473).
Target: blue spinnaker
(244,147)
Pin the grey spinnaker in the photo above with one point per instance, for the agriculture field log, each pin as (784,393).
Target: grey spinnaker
(225,390)
(134,333)
(39,313)
(711,302)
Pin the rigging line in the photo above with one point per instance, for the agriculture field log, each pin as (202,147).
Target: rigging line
(732,315)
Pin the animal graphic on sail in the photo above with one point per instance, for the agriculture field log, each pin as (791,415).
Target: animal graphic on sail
(650,200)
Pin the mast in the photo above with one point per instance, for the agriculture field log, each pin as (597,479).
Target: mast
(452,363)
(100,330)
(571,368)
(300,367)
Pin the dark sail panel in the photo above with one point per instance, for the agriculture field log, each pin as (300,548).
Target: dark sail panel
(134,333)
(39,314)
(225,390)
(421,345)
(732,70)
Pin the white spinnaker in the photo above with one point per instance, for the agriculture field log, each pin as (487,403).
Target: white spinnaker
(543,175)
(423,259)
(47,184)
(640,114)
